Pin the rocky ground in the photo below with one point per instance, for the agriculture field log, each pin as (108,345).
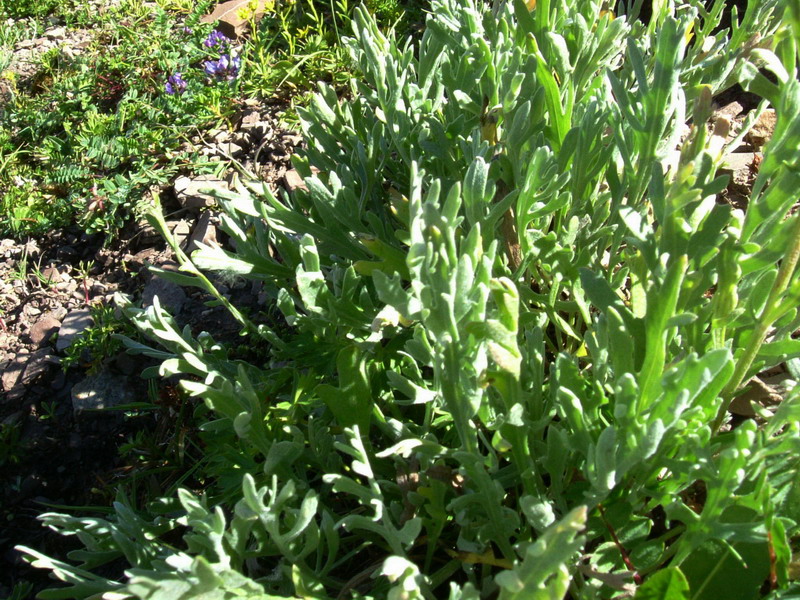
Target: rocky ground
(60,438)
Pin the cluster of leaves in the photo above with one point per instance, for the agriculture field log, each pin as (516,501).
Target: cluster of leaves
(89,133)
(22,9)
(297,44)
(97,344)
(508,319)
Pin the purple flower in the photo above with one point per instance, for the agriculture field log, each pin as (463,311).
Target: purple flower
(214,38)
(210,67)
(175,84)
(186,30)
(226,66)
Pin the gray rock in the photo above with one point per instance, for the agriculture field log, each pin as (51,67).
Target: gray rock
(45,327)
(13,371)
(39,362)
(219,136)
(75,323)
(293,181)
(127,363)
(100,391)
(230,19)
(67,286)
(170,295)
(250,120)
(204,231)
(180,230)
(188,191)
(742,166)
(25,369)
(56,33)
(231,149)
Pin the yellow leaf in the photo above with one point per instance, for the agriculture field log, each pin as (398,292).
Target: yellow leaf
(689,33)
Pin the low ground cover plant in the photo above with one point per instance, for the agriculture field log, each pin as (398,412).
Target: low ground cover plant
(85,136)
(508,319)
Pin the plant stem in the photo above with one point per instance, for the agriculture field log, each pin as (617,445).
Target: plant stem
(766,320)
(454,400)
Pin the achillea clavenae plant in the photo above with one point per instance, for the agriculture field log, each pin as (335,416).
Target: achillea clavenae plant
(507,317)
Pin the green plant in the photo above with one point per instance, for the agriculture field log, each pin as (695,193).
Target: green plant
(97,345)
(10,445)
(22,9)
(89,134)
(508,318)
(48,411)
(21,591)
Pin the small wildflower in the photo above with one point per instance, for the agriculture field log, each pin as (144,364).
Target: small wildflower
(175,84)
(214,38)
(210,67)
(226,66)
(186,30)
(248,11)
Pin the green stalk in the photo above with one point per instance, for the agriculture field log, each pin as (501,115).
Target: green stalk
(767,318)
(156,218)
(518,438)
(454,402)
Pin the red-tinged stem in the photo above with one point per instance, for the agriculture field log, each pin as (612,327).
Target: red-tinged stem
(625,558)
(773,559)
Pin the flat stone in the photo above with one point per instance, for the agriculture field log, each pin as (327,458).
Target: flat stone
(13,371)
(742,166)
(101,391)
(56,33)
(170,295)
(204,231)
(180,230)
(189,194)
(292,180)
(762,129)
(231,149)
(230,17)
(758,392)
(136,262)
(730,110)
(52,275)
(25,368)
(250,120)
(219,136)
(38,363)
(43,329)
(75,323)
(67,286)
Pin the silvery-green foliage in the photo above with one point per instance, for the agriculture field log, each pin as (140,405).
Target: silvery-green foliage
(507,317)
